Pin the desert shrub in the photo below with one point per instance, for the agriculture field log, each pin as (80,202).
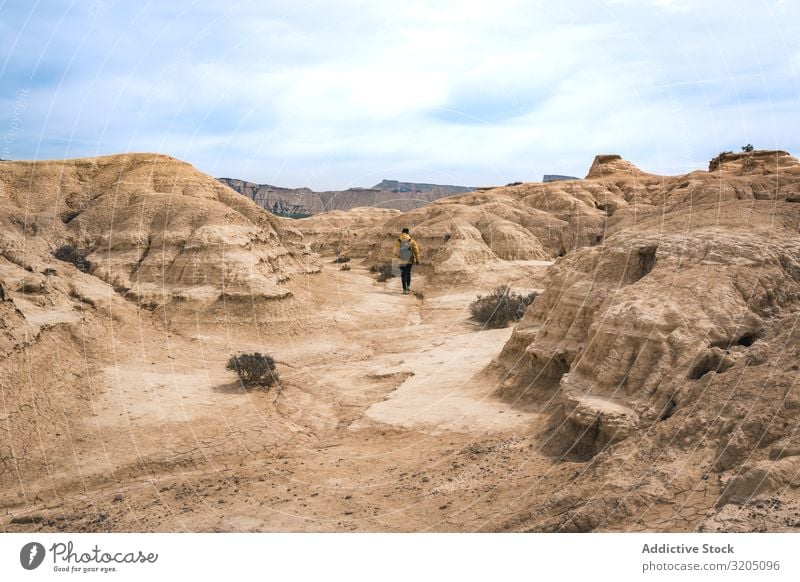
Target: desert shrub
(67,217)
(748,148)
(344,268)
(76,256)
(30,286)
(500,307)
(254,369)
(342,259)
(384,272)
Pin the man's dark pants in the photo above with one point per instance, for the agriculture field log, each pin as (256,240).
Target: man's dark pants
(405,275)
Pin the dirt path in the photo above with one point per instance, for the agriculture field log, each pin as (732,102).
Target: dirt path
(380,425)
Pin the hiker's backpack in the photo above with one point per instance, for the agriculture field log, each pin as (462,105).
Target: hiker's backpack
(406,252)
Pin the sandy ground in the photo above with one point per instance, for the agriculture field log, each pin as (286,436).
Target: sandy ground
(383,421)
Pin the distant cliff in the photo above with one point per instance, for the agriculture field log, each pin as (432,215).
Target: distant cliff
(299,202)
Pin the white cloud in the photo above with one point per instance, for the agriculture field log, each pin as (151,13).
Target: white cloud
(321,93)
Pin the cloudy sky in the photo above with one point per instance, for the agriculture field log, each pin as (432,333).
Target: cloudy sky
(344,93)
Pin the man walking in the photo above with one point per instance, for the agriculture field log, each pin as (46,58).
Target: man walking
(407,252)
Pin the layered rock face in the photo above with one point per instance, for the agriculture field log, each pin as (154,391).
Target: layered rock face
(350,233)
(670,344)
(464,235)
(155,228)
(299,202)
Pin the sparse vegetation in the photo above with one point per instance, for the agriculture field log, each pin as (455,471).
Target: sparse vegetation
(30,286)
(254,369)
(74,255)
(500,307)
(384,271)
(342,259)
(344,268)
(69,215)
(748,148)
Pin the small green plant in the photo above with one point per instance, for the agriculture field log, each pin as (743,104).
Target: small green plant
(344,268)
(385,272)
(500,307)
(254,369)
(748,148)
(76,256)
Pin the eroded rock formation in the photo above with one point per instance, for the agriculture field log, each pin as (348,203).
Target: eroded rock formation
(152,227)
(672,339)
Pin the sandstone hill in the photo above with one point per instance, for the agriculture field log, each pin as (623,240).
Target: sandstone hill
(96,256)
(153,228)
(300,202)
(466,234)
(666,355)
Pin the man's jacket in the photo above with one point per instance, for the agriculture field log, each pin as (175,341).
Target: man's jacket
(414,249)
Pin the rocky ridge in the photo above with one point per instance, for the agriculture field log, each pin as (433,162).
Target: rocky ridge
(301,202)
(663,355)
(152,227)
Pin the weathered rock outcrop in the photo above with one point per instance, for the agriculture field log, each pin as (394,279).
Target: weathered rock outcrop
(350,233)
(653,345)
(155,228)
(466,234)
(463,235)
(299,202)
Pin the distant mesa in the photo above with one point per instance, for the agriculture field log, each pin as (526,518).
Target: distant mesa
(557,178)
(303,202)
(396,186)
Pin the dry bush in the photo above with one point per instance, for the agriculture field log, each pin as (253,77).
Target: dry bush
(385,272)
(74,255)
(500,307)
(254,369)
